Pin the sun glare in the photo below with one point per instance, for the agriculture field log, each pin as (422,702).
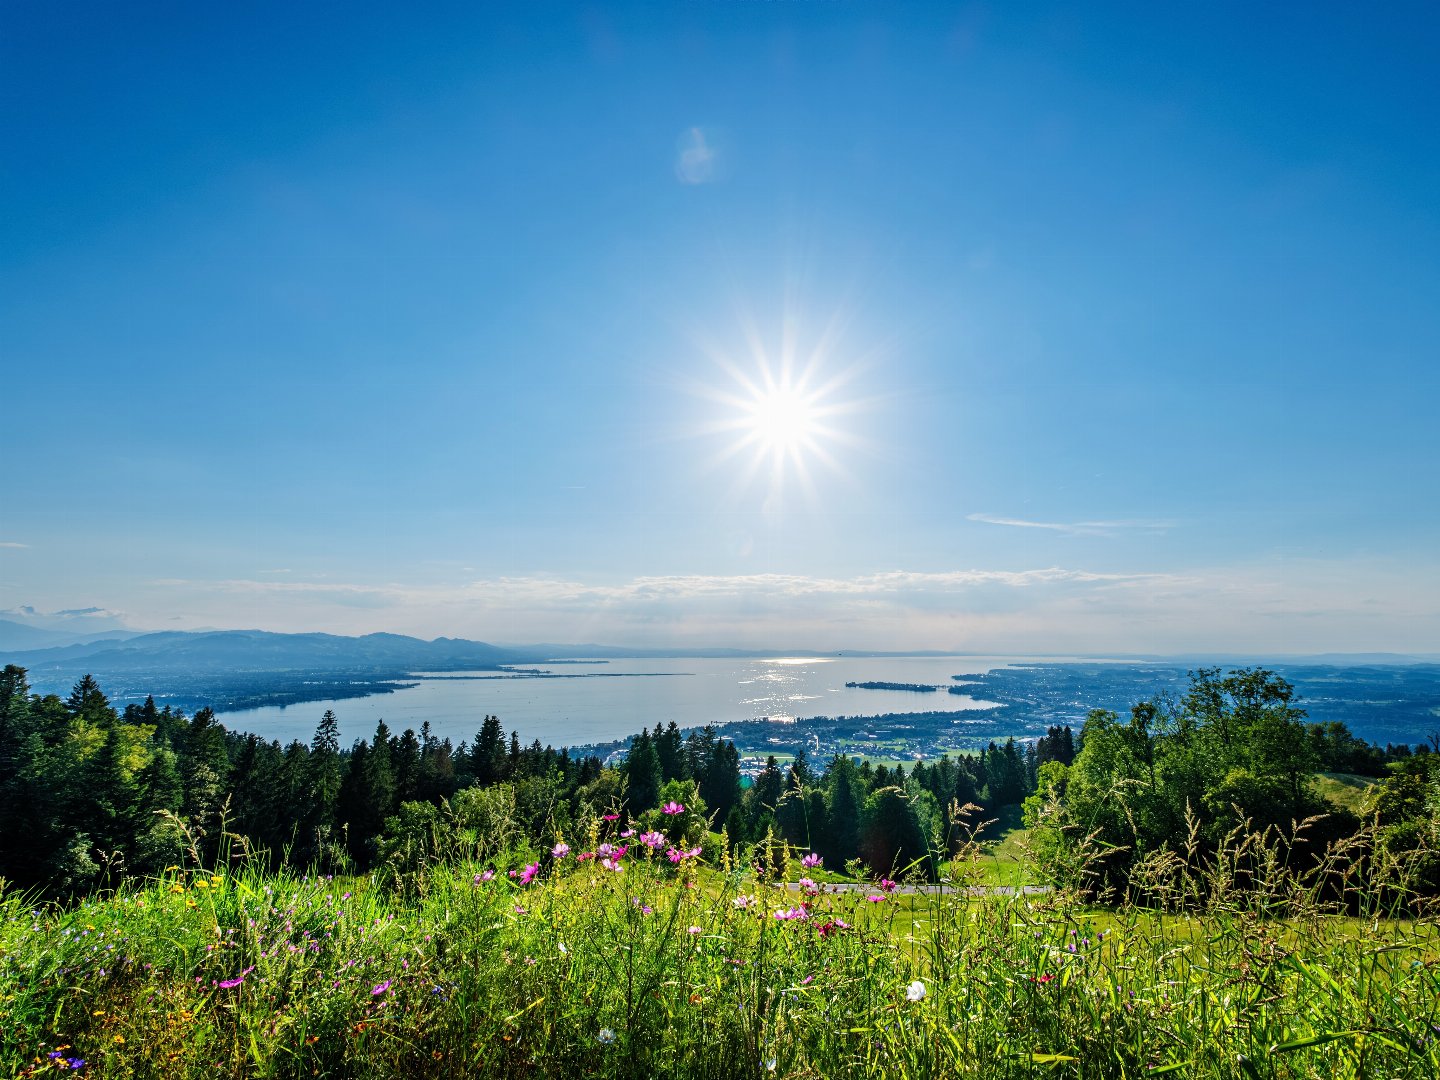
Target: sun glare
(782,416)
(783,421)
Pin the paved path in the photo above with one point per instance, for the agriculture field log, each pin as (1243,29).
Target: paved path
(935,890)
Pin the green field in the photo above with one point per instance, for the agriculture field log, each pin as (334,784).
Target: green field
(700,971)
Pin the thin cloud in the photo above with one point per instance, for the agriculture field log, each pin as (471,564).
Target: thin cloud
(12,544)
(696,158)
(1073,528)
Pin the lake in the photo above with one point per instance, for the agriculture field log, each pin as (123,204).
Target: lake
(597,702)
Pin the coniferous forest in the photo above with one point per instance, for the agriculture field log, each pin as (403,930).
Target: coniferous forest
(91,796)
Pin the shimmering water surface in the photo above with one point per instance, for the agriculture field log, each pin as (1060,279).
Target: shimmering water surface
(598,702)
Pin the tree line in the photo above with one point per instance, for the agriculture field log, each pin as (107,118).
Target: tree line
(90,794)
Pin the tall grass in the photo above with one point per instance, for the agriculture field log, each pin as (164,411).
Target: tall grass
(660,970)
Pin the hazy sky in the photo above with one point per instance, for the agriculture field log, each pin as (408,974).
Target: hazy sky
(1103,327)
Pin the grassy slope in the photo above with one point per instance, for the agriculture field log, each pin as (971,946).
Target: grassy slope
(591,973)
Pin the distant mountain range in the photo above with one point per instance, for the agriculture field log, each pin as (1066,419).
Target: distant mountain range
(235,651)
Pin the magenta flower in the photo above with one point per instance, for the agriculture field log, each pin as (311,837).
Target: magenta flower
(653,840)
(811,861)
(673,808)
(876,899)
(528,874)
(230,984)
(806,884)
(887,885)
(609,817)
(381,988)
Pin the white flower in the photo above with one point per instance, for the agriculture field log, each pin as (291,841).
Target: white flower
(915,991)
(606,1036)
(563,950)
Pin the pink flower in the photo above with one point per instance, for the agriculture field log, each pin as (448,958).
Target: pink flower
(887,885)
(627,834)
(811,861)
(230,984)
(694,930)
(612,864)
(876,899)
(673,808)
(528,874)
(609,817)
(560,850)
(653,840)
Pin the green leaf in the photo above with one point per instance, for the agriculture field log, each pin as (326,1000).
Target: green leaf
(1163,1069)
(1313,1040)
(1051,1059)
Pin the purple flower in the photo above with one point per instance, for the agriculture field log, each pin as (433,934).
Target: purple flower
(673,808)
(560,850)
(230,984)
(381,988)
(653,840)
(528,874)
(811,861)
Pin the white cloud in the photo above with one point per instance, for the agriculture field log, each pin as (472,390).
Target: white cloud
(1280,606)
(696,158)
(12,544)
(1073,528)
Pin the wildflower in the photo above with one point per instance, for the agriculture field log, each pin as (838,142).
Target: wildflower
(770,1063)
(201,883)
(743,901)
(673,808)
(381,988)
(480,879)
(653,840)
(915,991)
(560,850)
(626,834)
(886,885)
(612,865)
(609,817)
(605,850)
(74,1064)
(876,899)
(811,861)
(230,984)
(833,926)
(694,930)
(563,950)
(528,874)
(606,1037)
(806,884)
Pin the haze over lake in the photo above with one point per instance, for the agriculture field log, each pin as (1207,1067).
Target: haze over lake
(599,702)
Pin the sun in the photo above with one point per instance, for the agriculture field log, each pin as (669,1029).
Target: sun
(784,421)
(783,416)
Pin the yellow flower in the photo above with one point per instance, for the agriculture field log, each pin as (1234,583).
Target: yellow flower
(201,883)
(119,1040)
(217,881)
(190,903)
(98,1012)
(177,888)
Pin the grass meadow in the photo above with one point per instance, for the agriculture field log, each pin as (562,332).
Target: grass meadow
(593,963)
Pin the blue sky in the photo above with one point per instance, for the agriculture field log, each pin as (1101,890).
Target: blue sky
(1121,325)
